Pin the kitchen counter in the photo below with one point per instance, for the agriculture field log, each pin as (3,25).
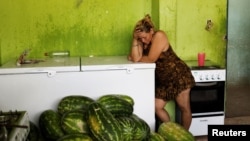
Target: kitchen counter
(53,64)
(208,63)
(73,64)
(112,63)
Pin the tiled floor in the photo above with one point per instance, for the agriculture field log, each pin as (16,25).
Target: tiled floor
(237,101)
(233,120)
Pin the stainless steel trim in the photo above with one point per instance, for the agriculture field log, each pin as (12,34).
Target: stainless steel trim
(208,113)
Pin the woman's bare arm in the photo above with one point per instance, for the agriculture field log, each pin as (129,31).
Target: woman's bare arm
(159,44)
(136,48)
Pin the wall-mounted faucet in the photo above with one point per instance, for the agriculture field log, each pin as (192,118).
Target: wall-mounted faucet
(21,58)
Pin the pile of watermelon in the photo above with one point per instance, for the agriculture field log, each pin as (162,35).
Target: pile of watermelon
(108,118)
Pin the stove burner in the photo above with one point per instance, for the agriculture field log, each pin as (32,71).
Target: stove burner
(204,67)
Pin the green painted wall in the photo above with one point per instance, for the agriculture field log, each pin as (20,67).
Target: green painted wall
(185,23)
(191,36)
(84,27)
(103,27)
(168,19)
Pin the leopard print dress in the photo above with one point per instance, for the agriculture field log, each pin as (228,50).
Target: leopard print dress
(172,75)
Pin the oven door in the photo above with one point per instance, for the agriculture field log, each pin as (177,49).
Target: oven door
(207,98)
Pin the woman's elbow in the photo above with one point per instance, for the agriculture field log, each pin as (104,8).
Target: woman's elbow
(134,59)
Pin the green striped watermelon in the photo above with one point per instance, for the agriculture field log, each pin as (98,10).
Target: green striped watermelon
(116,105)
(50,126)
(172,131)
(154,136)
(128,127)
(74,122)
(76,137)
(102,124)
(73,102)
(125,97)
(142,132)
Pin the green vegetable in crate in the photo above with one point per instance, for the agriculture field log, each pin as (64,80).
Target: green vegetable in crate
(154,136)
(50,126)
(102,124)
(142,132)
(172,131)
(116,105)
(73,102)
(75,137)
(74,122)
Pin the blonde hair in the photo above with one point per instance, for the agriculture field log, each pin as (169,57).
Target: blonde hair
(144,24)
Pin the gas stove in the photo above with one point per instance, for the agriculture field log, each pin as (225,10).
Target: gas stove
(208,73)
(14,126)
(207,97)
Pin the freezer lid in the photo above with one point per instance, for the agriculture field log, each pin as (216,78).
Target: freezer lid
(49,65)
(112,63)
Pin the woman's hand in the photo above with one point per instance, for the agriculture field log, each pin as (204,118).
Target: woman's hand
(136,40)
(136,47)
(136,34)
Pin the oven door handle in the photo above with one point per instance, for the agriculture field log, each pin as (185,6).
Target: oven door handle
(205,84)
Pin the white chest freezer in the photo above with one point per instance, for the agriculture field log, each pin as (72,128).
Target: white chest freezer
(117,75)
(37,87)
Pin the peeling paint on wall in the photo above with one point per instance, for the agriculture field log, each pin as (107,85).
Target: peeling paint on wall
(192,37)
(100,27)
(83,27)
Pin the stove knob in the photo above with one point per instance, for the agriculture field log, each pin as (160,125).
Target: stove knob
(201,77)
(207,78)
(212,77)
(218,77)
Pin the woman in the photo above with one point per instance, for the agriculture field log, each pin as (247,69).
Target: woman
(173,78)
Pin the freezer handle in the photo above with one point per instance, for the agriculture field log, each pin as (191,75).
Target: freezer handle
(128,69)
(50,73)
